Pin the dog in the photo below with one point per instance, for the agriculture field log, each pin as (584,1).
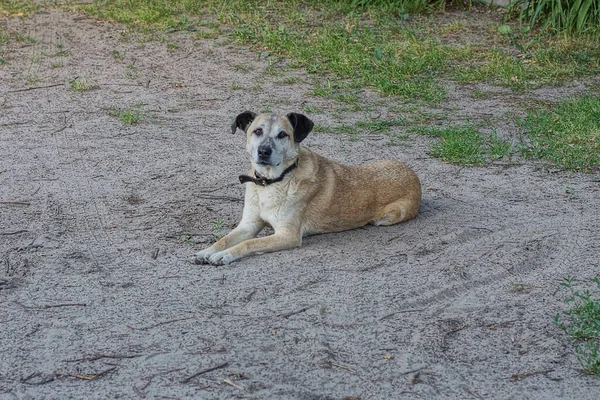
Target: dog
(299,193)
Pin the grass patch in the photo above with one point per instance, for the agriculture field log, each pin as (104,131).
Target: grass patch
(129,116)
(311,108)
(17,8)
(117,55)
(568,136)
(465,145)
(380,125)
(581,322)
(560,15)
(375,43)
(79,85)
(4,39)
(354,131)
(218,229)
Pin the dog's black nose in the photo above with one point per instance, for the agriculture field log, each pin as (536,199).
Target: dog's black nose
(264,152)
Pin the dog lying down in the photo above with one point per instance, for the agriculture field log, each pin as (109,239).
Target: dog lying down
(300,193)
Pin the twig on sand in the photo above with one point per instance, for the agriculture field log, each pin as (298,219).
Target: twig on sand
(204,371)
(410,371)
(27,380)
(61,129)
(35,88)
(101,356)
(518,377)
(289,314)
(231,383)
(340,366)
(18,203)
(214,197)
(13,233)
(64,305)
(92,377)
(49,306)
(145,328)
(401,312)
(138,390)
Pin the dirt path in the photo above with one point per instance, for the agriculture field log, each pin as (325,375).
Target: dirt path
(99,222)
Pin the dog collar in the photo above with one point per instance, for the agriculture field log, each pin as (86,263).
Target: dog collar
(259,180)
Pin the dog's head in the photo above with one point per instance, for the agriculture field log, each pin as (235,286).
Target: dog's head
(271,140)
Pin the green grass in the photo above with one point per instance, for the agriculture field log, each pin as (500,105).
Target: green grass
(359,128)
(581,322)
(382,45)
(79,85)
(560,15)
(465,145)
(129,115)
(374,43)
(568,135)
(218,229)
(18,7)
(4,39)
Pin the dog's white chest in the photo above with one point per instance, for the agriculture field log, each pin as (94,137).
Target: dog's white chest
(273,204)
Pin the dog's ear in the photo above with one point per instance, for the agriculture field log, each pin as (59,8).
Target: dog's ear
(302,126)
(243,121)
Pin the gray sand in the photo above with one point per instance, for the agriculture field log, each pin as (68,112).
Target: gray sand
(99,221)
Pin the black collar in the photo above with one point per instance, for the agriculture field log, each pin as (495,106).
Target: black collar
(258,180)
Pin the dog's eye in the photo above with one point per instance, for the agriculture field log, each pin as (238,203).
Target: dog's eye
(258,131)
(282,135)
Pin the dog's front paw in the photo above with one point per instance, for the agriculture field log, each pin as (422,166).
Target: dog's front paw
(221,258)
(203,256)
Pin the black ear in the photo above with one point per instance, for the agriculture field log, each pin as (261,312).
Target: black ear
(302,126)
(243,121)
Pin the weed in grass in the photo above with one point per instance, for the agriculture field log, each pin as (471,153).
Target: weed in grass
(497,148)
(465,145)
(370,44)
(117,55)
(517,287)
(478,94)
(560,15)
(310,108)
(129,116)
(172,47)
(218,229)
(56,64)
(397,140)
(458,146)
(19,7)
(241,68)
(208,33)
(568,136)
(319,128)
(380,125)
(79,85)
(581,322)
(19,37)
(290,80)
(33,79)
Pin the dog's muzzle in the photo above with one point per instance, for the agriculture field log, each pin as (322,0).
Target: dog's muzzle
(264,154)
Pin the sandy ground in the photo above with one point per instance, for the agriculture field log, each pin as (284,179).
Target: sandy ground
(99,221)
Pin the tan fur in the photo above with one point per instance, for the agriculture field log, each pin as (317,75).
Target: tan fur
(317,197)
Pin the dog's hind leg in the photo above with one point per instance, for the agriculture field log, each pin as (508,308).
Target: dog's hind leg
(398,211)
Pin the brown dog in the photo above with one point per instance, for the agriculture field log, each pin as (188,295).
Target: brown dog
(300,193)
